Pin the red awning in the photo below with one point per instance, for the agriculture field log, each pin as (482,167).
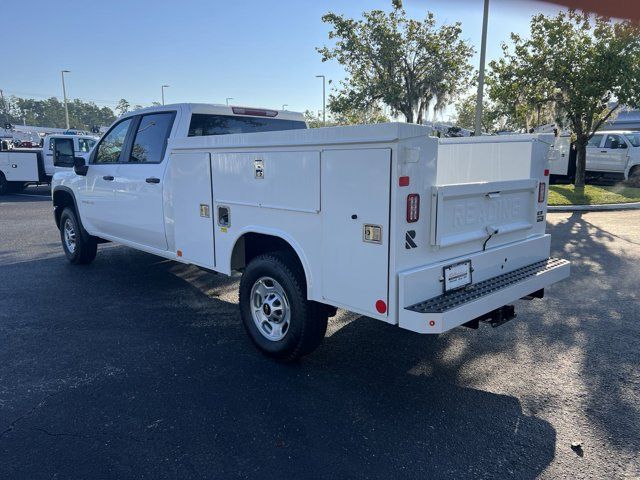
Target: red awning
(626,9)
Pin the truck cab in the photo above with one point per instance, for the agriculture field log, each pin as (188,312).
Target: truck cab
(614,154)
(125,170)
(76,145)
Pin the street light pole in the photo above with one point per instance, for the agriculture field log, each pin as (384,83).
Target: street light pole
(324,101)
(162,88)
(284,105)
(229,98)
(64,94)
(483,52)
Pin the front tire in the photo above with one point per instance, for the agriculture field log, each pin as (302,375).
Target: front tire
(79,247)
(275,312)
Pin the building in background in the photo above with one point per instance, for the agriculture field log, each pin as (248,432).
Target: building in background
(626,120)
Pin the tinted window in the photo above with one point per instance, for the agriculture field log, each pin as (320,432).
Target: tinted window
(85,144)
(595,141)
(151,138)
(111,145)
(64,146)
(203,124)
(634,138)
(614,141)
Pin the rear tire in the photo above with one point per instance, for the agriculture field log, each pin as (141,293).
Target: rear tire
(275,312)
(6,187)
(79,247)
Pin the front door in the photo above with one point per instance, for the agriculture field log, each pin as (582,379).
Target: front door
(614,153)
(97,192)
(139,182)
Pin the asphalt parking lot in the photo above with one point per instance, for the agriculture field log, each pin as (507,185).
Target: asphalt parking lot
(137,367)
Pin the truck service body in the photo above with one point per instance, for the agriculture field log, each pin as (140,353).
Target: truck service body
(381,220)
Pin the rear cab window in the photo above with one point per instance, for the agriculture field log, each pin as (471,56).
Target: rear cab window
(203,124)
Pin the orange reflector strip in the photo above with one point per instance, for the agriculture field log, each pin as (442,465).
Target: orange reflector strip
(179,253)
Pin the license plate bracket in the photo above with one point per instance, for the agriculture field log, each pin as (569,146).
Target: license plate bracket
(456,276)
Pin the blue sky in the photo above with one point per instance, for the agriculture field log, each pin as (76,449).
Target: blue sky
(258,52)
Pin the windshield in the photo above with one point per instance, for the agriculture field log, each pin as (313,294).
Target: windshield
(634,138)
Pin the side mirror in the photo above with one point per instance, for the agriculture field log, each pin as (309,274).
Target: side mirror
(79,166)
(63,152)
(622,145)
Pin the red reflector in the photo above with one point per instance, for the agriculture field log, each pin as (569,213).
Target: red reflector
(413,207)
(432,323)
(546,172)
(542,189)
(381,307)
(256,112)
(404,181)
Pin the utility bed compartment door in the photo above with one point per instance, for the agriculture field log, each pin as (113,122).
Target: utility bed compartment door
(463,213)
(355,197)
(20,166)
(190,175)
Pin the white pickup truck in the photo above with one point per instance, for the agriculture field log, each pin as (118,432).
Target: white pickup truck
(381,220)
(612,155)
(21,167)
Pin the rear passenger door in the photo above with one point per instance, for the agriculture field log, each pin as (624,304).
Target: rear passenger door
(595,157)
(139,181)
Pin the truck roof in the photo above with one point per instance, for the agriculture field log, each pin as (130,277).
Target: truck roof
(615,131)
(373,133)
(218,109)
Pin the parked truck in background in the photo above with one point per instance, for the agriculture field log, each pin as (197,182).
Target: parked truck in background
(24,166)
(381,220)
(611,155)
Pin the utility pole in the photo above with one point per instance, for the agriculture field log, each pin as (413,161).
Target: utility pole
(64,94)
(162,88)
(324,101)
(483,52)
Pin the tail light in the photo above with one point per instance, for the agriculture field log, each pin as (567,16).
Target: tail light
(256,112)
(542,190)
(413,207)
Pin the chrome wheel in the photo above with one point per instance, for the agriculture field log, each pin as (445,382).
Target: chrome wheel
(69,236)
(270,308)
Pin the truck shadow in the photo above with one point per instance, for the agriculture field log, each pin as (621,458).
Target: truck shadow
(599,318)
(151,373)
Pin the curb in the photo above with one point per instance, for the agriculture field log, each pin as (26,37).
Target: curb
(594,208)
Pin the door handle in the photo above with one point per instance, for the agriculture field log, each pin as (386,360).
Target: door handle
(152,180)
(108,178)
(603,151)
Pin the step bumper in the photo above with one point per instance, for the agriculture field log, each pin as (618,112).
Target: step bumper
(447,311)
